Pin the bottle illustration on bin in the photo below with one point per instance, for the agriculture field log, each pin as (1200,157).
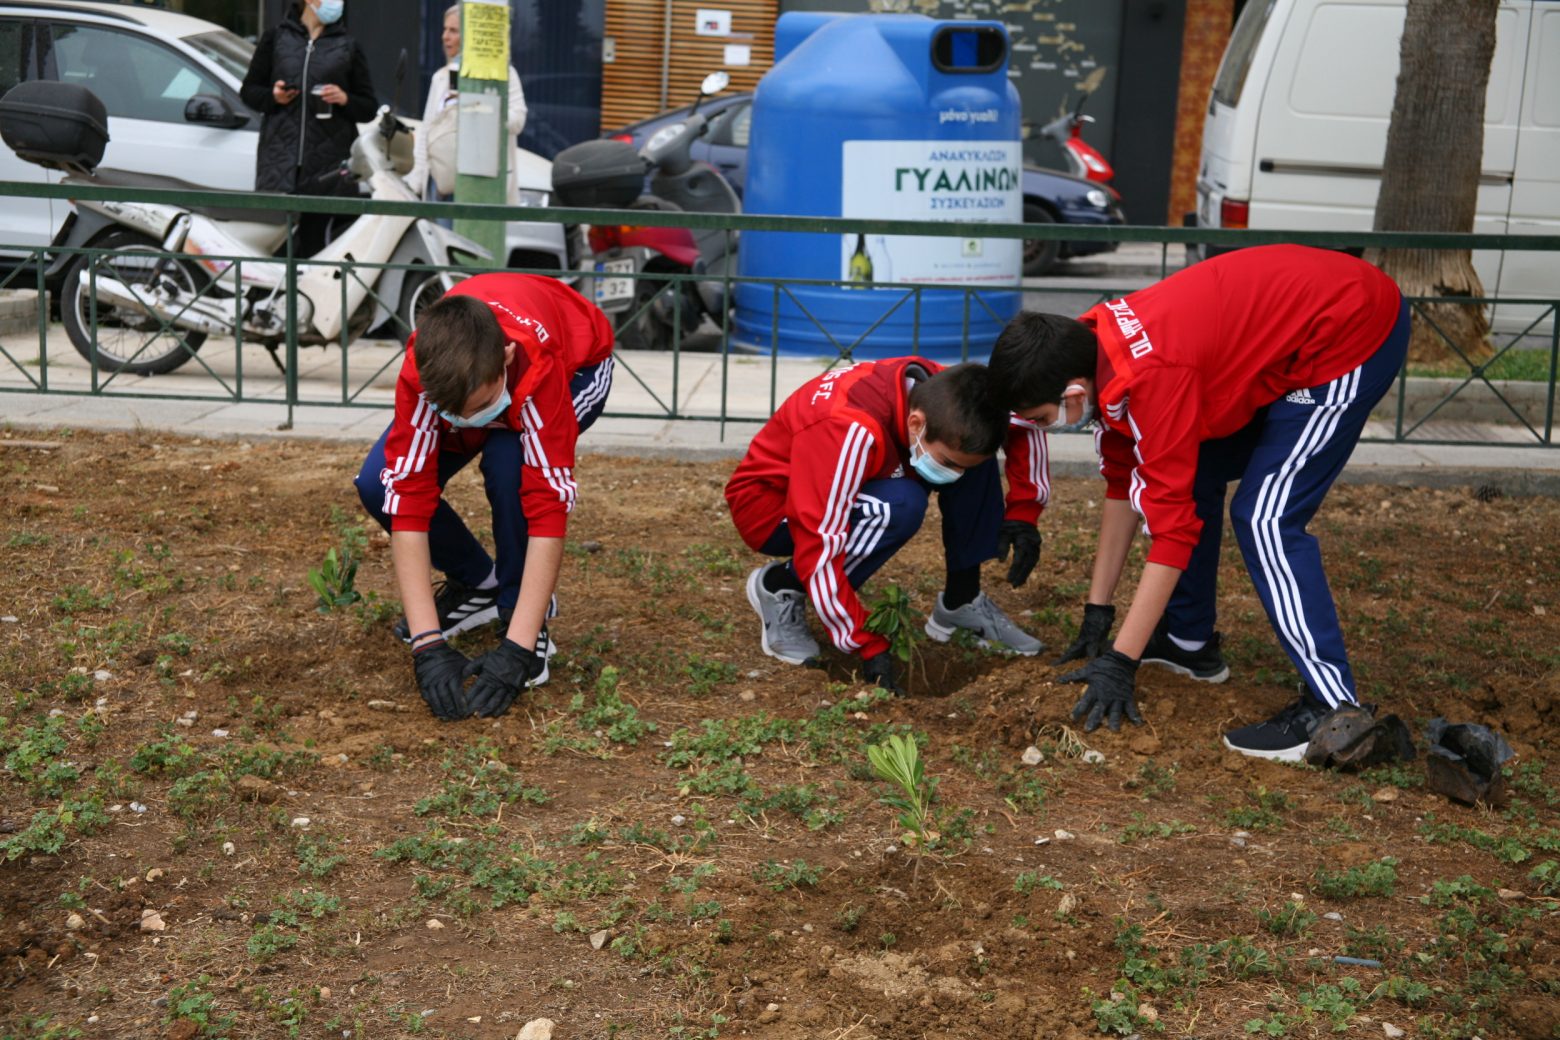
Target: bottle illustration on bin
(860,270)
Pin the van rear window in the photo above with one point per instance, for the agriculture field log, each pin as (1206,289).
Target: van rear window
(1243,47)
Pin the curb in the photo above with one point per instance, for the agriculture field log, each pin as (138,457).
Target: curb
(1509,480)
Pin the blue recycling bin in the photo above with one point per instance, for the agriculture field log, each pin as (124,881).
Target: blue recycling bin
(883,117)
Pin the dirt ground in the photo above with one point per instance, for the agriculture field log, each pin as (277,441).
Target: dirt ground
(225,812)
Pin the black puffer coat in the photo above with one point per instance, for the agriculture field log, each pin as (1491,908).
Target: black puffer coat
(296,148)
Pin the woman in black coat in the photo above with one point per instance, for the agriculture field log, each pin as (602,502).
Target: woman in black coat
(310,82)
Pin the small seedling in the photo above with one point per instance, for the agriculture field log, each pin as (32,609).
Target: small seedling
(898,761)
(334,581)
(894,618)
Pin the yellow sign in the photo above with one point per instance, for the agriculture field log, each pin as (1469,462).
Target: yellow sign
(484,44)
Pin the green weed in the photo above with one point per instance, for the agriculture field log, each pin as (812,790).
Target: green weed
(705,674)
(1029,881)
(477,784)
(1264,812)
(617,720)
(1291,919)
(779,876)
(1375,879)
(192,1002)
(1141,828)
(1152,780)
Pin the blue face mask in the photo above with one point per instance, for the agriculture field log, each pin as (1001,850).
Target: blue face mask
(931,471)
(329,12)
(1061,425)
(482,418)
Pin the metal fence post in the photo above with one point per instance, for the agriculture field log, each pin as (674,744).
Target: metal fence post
(43,326)
(290,377)
(1554,371)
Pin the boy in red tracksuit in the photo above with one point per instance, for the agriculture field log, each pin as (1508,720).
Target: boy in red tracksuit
(838,480)
(513,368)
(1260,366)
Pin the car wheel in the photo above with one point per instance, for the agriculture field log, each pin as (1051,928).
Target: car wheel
(128,339)
(1040,255)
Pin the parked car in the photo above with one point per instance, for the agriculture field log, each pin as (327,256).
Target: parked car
(1050,196)
(145,64)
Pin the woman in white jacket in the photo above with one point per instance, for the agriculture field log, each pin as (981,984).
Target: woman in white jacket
(433,167)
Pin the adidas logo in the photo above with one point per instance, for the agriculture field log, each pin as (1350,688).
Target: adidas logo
(470,607)
(1301,396)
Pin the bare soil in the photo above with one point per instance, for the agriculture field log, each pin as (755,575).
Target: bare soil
(260,779)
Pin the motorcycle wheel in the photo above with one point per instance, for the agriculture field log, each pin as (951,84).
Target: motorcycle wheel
(129,341)
(418,291)
(655,327)
(1040,255)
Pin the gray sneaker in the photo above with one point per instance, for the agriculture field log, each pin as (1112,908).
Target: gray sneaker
(985,619)
(784,615)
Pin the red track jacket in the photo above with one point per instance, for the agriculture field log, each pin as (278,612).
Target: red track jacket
(556,333)
(1192,358)
(835,432)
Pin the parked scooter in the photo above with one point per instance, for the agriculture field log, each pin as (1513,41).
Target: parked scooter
(1083,159)
(649,312)
(153,311)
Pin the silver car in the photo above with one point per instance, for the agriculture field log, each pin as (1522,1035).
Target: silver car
(145,64)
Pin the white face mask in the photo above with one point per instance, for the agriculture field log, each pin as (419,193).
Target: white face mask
(1085,416)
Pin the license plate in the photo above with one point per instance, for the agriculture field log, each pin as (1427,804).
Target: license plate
(614,290)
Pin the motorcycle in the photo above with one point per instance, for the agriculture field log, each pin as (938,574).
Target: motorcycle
(1083,159)
(651,313)
(151,312)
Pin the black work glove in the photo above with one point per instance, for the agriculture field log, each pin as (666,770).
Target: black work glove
(1109,695)
(1092,634)
(879,670)
(1024,539)
(441,674)
(501,674)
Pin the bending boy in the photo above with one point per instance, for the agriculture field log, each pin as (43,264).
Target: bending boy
(1259,366)
(512,368)
(838,480)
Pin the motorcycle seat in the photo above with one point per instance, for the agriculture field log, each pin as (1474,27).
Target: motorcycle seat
(132,179)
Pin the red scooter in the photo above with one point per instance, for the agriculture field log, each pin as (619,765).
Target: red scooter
(1083,159)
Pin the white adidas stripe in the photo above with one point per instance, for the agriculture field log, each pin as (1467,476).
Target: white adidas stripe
(868,532)
(1289,609)
(822,584)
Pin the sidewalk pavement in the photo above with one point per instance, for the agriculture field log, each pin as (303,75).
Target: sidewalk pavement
(645,384)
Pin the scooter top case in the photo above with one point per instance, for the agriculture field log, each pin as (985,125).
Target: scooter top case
(63,126)
(598,173)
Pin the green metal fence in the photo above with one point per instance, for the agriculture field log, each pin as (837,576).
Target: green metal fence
(1527,409)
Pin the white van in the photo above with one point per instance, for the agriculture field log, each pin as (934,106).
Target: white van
(1297,128)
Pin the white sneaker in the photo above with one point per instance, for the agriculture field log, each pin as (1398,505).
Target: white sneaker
(784,616)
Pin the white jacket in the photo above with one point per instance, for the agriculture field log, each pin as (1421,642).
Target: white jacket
(438,129)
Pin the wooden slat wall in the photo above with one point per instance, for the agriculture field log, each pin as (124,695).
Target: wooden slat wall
(631,85)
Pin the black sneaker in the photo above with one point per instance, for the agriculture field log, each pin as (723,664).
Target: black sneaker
(1284,737)
(460,607)
(1204,665)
